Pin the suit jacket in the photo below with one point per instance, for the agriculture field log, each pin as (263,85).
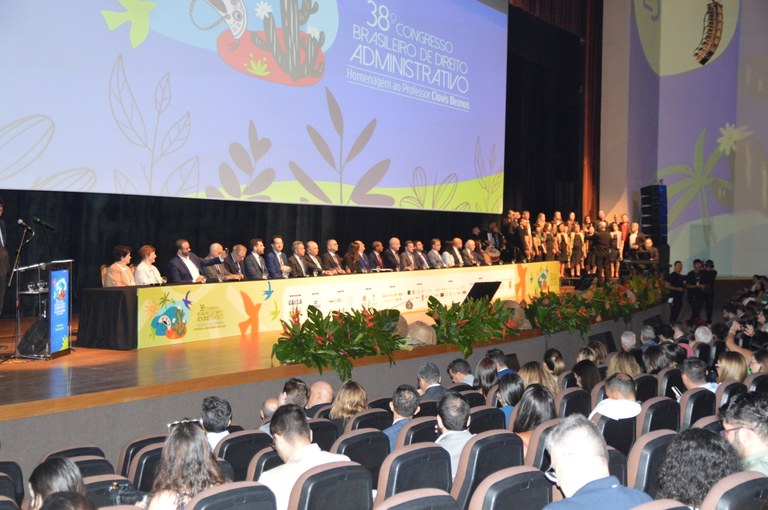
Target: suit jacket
(601,243)
(296,270)
(421,260)
(455,254)
(435,260)
(314,265)
(234,267)
(273,264)
(331,262)
(375,260)
(178,272)
(469,257)
(394,430)
(254,271)
(407,261)
(217,270)
(433,393)
(119,276)
(391,259)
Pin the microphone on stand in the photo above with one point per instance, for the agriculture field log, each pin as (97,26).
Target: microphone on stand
(22,224)
(43,223)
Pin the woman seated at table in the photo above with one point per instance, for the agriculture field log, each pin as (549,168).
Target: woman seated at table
(119,273)
(146,272)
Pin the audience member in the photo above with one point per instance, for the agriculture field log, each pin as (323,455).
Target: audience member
(702,335)
(500,359)
(696,460)
(745,421)
(268,409)
(293,442)
(623,362)
(55,474)
(586,353)
(67,500)
(655,359)
(187,467)
(534,373)
(731,367)
(534,408)
(453,423)
(295,391)
(320,395)
(350,400)
(587,375)
(460,372)
(620,401)
(511,388)
(647,337)
(600,350)
(217,416)
(428,376)
(694,374)
(553,361)
(628,341)
(404,405)
(486,375)
(580,462)
(675,353)
(758,362)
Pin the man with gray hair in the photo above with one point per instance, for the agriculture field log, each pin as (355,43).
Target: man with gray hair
(702,335)
(429,386)
(628,341)
(746,428)
(580,463)
(647,337)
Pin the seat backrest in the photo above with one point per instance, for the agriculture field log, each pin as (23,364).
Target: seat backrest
(747,490)
(662,504)
(324,412)
(264,460)
(92,465)
(492,397)
(712,423)
(324,433)
(338,485)
(597,393)
(460,387)
(617,465)
(418,430)
(703,352)
(380,403)
(7,503)
(74,451)
(512,418)
(12,469)
(757,382)
(473,398)
(369,419)
(619,434)
(415,466)
(485,454)
(573,400)
(97,488)
(420,499)
(7,486)
(144,467)
(485,418)
(131,448)
(718,347)
(658,413)
(668,378)
(726,390)
(566,379)
(537,456)
(695,404)
(239,448)
(517,487)
(234,496)
(646,387)
(426,408)
(103,274)
(368,447)
(645,459)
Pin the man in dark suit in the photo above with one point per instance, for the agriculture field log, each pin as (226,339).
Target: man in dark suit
(374,258)
(255,265)
(217,271)
(408,257)
(434,257)
(421,258)
(5,261)
(331,260)
(602,249)
(312,258)
(277,261)
(429,382)
(470,256)
(297,261)
(454,252)
(391,255)
(404,405)
(186,267)
(235,262)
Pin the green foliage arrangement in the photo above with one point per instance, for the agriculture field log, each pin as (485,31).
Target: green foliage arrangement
(553,312)
(334,340)
(473,322)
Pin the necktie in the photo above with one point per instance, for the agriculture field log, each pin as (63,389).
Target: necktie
(381,262)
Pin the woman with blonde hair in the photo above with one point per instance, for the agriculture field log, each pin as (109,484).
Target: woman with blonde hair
(350,400)
(553,360)
(624,363)
(586,353)
(731,366)
(535,373)
(600,350)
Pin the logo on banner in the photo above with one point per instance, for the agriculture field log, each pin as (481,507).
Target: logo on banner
(172,317)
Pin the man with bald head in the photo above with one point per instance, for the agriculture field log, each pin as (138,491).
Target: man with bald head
(320,394)
(454,253)
(217,271)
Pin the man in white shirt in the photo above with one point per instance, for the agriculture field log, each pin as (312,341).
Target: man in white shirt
(461,372)
(293,441)
(694,375)
(453,422)
(620,402)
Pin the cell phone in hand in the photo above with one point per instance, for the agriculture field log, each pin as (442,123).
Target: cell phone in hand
(677,392)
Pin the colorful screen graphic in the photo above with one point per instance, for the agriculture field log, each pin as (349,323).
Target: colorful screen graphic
(59,310)
(384,103)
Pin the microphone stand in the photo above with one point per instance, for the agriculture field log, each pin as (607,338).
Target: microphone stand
(17,330)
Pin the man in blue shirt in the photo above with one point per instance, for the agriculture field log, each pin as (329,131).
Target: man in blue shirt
(405,404)
(580,463)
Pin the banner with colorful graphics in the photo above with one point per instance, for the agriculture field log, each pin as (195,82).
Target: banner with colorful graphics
(188,313)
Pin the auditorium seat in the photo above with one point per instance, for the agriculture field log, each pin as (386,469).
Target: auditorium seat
(484,454)
(144,467)
(566,380)
(512,418)
(646,387)
(370,418)
(520,487)
(757,382)
(420,499)
(368,447)
(662,504)
(239,448)
(226,469)
(426,408)
(492,397)
(473,398)
(573,400)
(381,403)
(74,451)
(234,496)
(324,412)
(418,430)
(460,387)
(645,459)
(324,433)
(12,469)
(712,423)
(619,434)
(264,460)
(597,394)
(132,447)
(617,464)
(7,503)
(337,486)
(658,413)
(537,456)
(695,403)
(668,378)
(93,465)
(726,390)
(97,488)
(485,418)
(7,486)
(747,490)
(415,466)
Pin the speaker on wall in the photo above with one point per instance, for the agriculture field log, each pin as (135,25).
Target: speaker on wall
(653,213)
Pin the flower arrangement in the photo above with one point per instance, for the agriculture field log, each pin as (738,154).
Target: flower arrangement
(335,339)
(472,322)
(565,312)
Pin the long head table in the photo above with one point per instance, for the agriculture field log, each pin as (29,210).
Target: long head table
(163,315)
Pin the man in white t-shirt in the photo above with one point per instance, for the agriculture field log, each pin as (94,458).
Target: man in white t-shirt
(620,402)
